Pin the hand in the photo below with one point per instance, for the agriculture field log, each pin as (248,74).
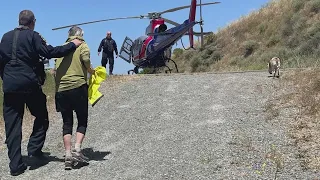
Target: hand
(77,42)
(98,53)
(52,71)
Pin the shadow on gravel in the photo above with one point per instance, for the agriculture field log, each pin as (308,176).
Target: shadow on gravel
(271,76)
(37,162)
(95,155)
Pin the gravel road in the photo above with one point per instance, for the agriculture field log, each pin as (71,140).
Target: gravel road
(200,126)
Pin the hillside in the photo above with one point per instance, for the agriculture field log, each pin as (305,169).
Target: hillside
(289,29)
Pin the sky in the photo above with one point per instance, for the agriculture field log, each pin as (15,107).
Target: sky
(51,14)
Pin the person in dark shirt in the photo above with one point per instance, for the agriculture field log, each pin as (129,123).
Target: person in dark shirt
(22,71)
(108,45)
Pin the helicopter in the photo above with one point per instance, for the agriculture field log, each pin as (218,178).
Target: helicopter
(153,50)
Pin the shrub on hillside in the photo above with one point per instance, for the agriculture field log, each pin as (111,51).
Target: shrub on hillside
(177,52)
(313,6)
(287,25)
(309,46)
(313,30)
(249,47)
(188,55)
(216,56)
(298,5)
(195,63)
(274,40)
(209,39)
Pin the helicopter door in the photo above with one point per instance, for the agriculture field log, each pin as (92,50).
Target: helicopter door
(137,46)
(125,51)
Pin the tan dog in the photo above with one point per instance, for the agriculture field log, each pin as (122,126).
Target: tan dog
(274,66)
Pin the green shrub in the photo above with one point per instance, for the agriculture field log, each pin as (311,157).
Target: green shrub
(262,28)
(209,39)
(177,52)
(273,41)
(313,6)
(216,56)
(249,47)
(195,63)
(298,5)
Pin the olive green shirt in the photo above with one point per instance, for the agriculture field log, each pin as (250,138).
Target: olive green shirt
(71,70)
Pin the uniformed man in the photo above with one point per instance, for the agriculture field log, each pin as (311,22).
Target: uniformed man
(109,46)
(23,75)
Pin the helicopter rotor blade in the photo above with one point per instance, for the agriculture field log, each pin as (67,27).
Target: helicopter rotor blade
(183,7)
(171,22)
(111,19)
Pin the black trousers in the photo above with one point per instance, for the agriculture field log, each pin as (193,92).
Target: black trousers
(108,58)
(13,111)
(73,100)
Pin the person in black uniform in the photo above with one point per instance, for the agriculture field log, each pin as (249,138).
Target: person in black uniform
(108,45)
(22,72)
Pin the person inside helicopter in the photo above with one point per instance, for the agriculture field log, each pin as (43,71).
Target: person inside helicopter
(162,28)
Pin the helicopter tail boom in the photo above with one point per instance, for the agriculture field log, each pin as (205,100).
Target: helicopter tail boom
(192,16)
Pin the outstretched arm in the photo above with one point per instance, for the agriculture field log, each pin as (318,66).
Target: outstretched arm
(49,51)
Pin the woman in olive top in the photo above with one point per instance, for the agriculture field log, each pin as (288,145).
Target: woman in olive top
(72,95)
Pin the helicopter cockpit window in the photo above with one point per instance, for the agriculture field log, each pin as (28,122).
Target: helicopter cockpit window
(136,47)
(162,28)
(148,29)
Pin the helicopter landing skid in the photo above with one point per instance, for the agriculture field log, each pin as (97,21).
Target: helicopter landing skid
(134,70)
(166,71)
(175,65)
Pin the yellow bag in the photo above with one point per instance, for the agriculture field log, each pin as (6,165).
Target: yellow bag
(94,83)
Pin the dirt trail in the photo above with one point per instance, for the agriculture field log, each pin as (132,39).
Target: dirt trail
(202,126)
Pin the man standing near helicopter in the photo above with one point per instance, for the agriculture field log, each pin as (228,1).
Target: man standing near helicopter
(108,45)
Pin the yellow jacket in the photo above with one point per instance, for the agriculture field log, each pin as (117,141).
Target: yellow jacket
(95,80)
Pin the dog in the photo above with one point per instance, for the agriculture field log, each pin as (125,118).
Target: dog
(274,66)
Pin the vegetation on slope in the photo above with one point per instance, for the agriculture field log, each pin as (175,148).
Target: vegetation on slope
(297,101)
(289,29)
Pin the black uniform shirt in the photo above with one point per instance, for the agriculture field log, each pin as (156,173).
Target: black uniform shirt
(19,75)
(108,46)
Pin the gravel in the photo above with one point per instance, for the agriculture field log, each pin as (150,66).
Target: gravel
(191,126)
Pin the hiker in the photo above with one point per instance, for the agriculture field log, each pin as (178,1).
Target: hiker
(72,95)
(108,45)
(23,74)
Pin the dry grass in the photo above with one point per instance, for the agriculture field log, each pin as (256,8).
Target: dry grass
(284,28)
(304,101)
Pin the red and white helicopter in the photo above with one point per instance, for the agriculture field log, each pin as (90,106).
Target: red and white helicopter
(153,50)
